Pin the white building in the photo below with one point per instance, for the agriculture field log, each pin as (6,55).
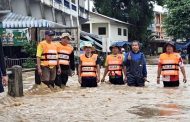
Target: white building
(111,30)
(157,26)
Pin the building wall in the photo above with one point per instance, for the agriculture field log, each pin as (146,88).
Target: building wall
(114,33)
(95,27)
(111,36)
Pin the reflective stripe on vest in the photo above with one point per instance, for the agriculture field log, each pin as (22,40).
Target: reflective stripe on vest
(170,64)
(115,64)
(49,55)
(64,53)
(88,65)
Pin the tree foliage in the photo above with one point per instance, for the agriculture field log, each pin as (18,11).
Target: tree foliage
(177,23)
(139,13)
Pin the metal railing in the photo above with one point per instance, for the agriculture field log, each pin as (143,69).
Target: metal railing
(20,61)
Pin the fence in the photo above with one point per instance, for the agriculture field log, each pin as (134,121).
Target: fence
(20,61)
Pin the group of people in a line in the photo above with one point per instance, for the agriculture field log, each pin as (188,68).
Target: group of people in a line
(55,60)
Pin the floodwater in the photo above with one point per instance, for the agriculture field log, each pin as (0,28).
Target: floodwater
(107,102)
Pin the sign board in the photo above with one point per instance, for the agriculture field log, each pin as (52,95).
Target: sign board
(14,37)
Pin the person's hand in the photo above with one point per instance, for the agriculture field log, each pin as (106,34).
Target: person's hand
(59,71)
(40,71)
(98,79)
(125,79)
(80,80)
(185,80)
(72,72)
(103,79)
(5,80)
(158,80)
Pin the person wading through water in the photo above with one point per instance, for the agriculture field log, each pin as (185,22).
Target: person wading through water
(114,66)
(89,67)
(135,66)
(168,67)
(66,59)
(47,60)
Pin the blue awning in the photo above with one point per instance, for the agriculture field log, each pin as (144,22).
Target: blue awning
(12,20)
(181,46)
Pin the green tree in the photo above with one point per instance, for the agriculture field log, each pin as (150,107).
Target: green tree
(30,48)
(177,22)
(139,13)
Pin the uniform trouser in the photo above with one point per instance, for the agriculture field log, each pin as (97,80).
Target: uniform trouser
(116,80)
(48,75)
(171,84)
(1,85)
(64,79)
(89,82)
(135,81)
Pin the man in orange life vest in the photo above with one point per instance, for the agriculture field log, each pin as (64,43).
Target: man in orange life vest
(66,58)
(89,68)
(114,65)
(47,59)
(168,66)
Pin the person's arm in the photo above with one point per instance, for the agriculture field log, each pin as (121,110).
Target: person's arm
(98,73)
(144,68)
(2,66)
(105,73)
(72,61)
(79,72)
(38,56)
(2,61)
(183,70)
(159,72)
(98,69)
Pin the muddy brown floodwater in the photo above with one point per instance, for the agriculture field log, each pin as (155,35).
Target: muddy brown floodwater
(108,103)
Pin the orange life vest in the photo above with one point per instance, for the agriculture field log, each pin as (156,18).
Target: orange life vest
(49,55)
(170,64)
(115,64)
(64,53)
(88,65)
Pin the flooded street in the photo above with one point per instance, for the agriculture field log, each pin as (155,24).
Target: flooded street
(108,103)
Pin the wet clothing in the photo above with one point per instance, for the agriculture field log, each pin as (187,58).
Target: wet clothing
(169,64)
(89,82)
(2,67)
(136,68)
(47,52)
(117,80)
(66,61)
(115,67)
(48,74)
(88,67)
(171,84)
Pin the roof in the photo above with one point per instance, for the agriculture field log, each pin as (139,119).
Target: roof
(12,20)
(110,18)
(122,43)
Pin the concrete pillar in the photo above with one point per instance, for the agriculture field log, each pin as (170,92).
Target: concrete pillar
(15,85)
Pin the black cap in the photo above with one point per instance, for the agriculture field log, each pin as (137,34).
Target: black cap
(114,45)
(49,33)
(171,43)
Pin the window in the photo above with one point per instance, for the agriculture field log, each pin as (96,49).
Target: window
(102,30)
(119,31)
(73,1)
(124,32)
